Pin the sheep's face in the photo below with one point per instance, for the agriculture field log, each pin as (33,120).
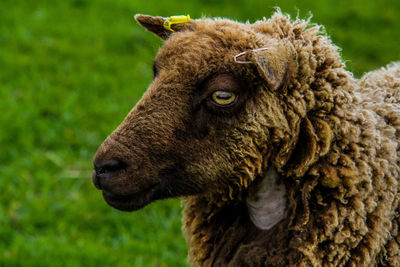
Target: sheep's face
(204,126)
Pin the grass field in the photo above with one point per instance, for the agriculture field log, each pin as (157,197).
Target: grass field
(69,72)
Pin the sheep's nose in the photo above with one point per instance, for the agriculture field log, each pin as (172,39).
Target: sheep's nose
(105,170)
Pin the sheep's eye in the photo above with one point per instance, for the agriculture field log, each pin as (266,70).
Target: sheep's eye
(223,98)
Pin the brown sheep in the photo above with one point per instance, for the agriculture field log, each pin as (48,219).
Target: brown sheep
(281,157)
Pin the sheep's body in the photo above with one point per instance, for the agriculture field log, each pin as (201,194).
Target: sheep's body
(334,141)
(358,226)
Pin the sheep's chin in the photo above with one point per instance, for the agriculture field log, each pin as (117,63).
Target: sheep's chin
(134,201)
(267,201)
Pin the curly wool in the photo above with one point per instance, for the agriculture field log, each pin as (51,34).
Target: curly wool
(302,137)
(342,179)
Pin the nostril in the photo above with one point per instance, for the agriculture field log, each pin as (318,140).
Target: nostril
(105,170)
(108,166)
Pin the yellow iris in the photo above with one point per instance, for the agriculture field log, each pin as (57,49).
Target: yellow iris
(223,97)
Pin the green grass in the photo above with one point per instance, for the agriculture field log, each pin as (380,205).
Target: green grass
(69,72)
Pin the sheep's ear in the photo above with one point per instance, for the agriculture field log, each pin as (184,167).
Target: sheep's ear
(275,62)
(156,25)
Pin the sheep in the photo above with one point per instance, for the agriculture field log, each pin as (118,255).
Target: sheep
(281,157)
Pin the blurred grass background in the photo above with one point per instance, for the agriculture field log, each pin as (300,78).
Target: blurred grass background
(69,73)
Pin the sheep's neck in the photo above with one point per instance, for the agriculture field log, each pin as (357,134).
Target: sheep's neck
(267,202)
(213,229)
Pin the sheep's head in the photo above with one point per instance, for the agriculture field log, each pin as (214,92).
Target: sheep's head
(207,123)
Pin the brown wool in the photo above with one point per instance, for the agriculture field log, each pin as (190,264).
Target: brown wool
(333,139)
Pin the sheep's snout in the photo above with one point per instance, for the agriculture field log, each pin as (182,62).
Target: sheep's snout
(128,182)
(106,170)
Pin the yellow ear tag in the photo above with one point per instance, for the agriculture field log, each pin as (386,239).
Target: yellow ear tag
(175,20)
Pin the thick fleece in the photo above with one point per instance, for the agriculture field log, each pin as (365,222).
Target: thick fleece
(331,140)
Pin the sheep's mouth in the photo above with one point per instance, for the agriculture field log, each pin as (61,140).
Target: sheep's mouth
(133,201)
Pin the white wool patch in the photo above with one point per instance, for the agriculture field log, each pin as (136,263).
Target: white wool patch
(266,202)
